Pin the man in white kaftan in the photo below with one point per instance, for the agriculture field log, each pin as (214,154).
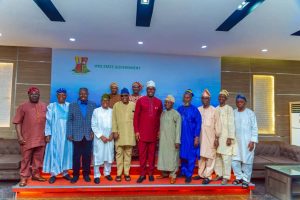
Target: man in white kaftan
(246,137)
(103,140)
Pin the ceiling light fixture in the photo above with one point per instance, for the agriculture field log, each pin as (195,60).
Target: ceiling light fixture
(72,39)
(144,11)
(243,5)
(0,34)
(140,42)
(145,2)
(264,50)
(203,46)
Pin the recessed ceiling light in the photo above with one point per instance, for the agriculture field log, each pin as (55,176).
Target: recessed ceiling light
(72,39)
(145,2)
(264,50)
(203,46)
(243,5)
(140,42)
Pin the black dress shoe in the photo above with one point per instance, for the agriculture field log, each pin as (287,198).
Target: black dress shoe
(188,179)
(87,178)
(109,178)
(127,178)
(96,180)
(141,179)
(151,178)
(197,177)
(205,181)
(67,177)
(74,179)
(52,179)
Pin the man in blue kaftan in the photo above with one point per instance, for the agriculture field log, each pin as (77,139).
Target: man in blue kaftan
(59,151)
(190,134)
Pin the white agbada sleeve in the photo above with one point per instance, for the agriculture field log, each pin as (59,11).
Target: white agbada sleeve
(95,125)
(254,129)
(231,127)
(48,126)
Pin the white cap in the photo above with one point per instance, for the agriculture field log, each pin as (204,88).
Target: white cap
(150,84)
(170,98)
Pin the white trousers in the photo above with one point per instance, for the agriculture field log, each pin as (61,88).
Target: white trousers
(242,171)
(106,170)
(206,167)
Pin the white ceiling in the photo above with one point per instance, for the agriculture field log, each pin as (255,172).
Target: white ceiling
(177,27)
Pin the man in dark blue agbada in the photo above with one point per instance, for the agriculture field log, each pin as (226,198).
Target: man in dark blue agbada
(190,136)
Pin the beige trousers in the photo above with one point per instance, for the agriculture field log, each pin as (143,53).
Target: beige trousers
(123,158)
(223,166)
(206,167)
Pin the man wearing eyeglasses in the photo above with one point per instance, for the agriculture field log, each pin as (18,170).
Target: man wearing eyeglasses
(122,128)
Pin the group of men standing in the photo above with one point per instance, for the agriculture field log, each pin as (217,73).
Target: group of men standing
(218,138)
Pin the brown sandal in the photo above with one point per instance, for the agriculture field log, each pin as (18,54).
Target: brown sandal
(23,182)
(38,178)
(172,180)
(162,176)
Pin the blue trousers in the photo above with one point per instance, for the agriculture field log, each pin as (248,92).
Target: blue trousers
(187,167)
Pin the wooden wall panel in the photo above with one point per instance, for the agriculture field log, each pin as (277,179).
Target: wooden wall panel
(282,103)
(275,66)
(235,64)
(283,125)
(32,67)
(34,72)
(236,82)
(287,84)
(287,89)
(8,53)
(35,54)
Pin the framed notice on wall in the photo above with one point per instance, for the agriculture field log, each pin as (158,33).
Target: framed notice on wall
(6,78)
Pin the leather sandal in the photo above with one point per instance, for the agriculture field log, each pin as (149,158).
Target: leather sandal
(38,178)
(172,180)
(23,182)
(245,185)
(237,182)
(162,177)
